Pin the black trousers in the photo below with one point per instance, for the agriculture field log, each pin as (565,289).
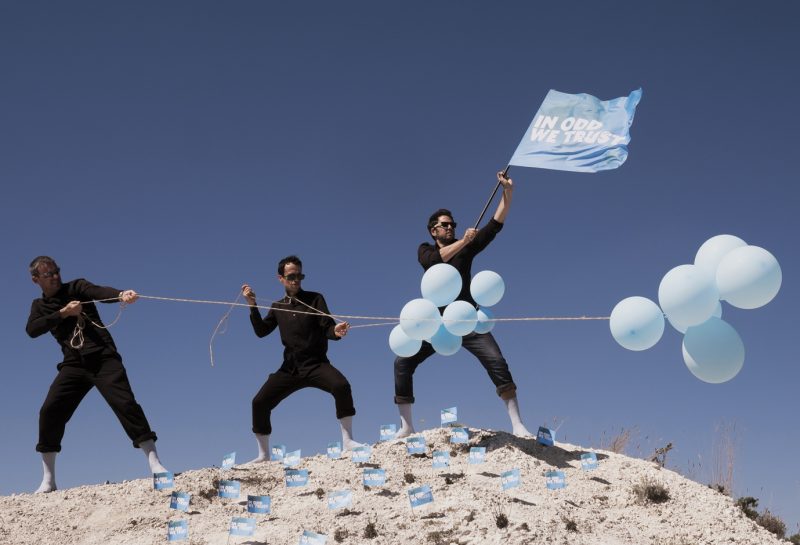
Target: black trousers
(281,384)
(105,371)
(481,345)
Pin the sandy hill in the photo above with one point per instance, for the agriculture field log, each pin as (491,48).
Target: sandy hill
(597,507)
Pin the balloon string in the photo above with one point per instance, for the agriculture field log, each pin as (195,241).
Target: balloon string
(390,319)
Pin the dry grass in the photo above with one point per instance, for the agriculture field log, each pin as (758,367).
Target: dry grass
(723,457)
(648,490)
(619,442)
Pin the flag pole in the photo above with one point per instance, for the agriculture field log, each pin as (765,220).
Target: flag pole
(505,172)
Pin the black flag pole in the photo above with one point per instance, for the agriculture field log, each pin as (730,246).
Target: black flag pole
(505,173)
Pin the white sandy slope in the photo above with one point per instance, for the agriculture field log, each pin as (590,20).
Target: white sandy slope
(466,500)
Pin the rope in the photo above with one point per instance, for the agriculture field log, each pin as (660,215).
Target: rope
(223,323)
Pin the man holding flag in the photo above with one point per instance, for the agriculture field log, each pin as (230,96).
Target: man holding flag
(460,253)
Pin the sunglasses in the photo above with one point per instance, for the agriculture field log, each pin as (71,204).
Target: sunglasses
(49,274)
(294,277)
(446,224)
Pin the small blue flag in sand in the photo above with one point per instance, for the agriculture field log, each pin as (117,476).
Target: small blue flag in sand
(361,454)
(546,436)
(416,445)
(292,459)
(241,526)
(374,477)
(459,435)
(229,489)
(441,459)
(510,479)
(163,480)
(334,450)
(388,431)
(340,499)
(555,480)
(228,461)
(312,538)
(259,504)
(449,415)
(420,496)
(296,477)
(177,530)
(277,452)
(180,501)
(477,455)
(588,461)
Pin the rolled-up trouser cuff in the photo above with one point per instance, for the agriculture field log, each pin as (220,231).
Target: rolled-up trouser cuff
(402,400)
(507,391)
(146,437)
(47,448)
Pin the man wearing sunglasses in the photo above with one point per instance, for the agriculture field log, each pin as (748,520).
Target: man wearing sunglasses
(91,360)
(305,325)
(460,253)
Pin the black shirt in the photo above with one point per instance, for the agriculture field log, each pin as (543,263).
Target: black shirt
(45,316)
(304,336)
(428,256)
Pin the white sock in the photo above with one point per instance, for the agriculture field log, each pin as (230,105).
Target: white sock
(347,434)
(406,421)
(263,448)
(149,449)
(517,427)
(48,473)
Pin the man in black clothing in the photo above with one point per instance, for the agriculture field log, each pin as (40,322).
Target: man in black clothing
(460,254)
(90,359)
(305,326)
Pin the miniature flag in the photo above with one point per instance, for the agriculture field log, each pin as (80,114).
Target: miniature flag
(163,480)
(241,526)
(459,435)
(388,431)
(420,496)
(449,415)
(229,489)
(579,133)
(291,459)
(374,477)
(441,459)
(177,530)
(277,452)
(477,455)
(361,454)
(296,477)
(340,499)
(416,445)
(312,538)
(510,479)
(555,480)
(546,436)
(334,450)
(228,461)
(588,461)
(259,504)
(180,501)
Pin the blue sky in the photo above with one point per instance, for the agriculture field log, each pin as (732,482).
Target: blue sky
(182,148)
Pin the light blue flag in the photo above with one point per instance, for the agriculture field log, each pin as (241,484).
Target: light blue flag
(177,530)
(579,133)
(241,526)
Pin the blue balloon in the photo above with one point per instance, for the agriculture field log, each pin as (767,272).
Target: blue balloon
(401,344)
(460,318)
(749,277)
(636,323)
(487,288)
(420,319)
(688,295)
(713,351)
(485,321)
(441,284)
(714,250)
(445,343)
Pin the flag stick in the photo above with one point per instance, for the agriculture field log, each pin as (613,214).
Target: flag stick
(505,172)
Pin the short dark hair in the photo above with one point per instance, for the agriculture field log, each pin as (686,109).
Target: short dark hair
(434,219)
(288,259)
(41,260)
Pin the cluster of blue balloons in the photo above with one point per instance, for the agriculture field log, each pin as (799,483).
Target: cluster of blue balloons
(726,269)
(420,319)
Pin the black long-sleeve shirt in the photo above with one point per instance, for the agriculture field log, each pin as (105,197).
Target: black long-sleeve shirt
(45,316)
(304,336)
(428,256)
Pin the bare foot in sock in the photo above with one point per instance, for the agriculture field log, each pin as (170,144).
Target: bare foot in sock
(404,432)
(46,486)
(351,444)
(521,431)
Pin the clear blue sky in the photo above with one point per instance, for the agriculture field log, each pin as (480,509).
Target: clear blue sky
(182,148)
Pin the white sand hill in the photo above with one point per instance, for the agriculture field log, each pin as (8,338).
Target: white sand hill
(597,507)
